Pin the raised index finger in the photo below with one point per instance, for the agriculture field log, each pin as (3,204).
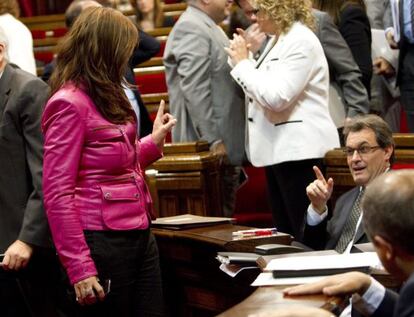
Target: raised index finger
(161,108)
(319,174)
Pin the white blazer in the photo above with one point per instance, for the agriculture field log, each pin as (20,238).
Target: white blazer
(287,100)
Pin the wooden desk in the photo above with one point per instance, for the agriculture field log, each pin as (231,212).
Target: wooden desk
(271,297)
(193,283)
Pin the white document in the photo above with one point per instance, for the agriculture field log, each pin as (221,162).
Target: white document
(267,279)
(234,269)
(381,48)
(336,261)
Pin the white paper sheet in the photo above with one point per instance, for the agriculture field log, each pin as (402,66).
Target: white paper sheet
(336,261)
(267,279)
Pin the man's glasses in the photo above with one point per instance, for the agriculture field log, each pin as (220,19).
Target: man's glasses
(252,12)
(364,149)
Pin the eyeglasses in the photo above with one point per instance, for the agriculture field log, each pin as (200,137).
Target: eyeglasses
(364,149)
(252,12)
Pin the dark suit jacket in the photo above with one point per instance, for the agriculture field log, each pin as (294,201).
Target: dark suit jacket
(342,67)
(22,97)
(398,305)
(355,28)
(327,233)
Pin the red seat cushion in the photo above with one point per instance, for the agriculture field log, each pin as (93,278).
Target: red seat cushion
(38,34)
(162,48)
(252,206)
(59,32)
(45,57)
(399,166)
(151,83)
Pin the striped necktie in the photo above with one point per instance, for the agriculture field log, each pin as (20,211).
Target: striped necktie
(350,225)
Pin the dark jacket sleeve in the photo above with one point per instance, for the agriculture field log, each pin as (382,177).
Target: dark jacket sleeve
(356,30)
(344,70)
(35,228)
(148,47)
(387,306)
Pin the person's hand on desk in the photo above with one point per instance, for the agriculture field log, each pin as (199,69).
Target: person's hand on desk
(295,311)
(390,39)
(319,191)
(335,285)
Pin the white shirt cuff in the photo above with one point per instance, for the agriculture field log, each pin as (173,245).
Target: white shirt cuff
(372,298)
(313,218)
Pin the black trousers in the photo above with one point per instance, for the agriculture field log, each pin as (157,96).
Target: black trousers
(130,260)
(36,291)
(407,86)
(287,184)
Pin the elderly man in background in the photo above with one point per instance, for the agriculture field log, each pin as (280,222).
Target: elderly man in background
(20,39)
(29,269)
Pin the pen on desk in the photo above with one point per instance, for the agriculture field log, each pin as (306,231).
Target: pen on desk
(255,232)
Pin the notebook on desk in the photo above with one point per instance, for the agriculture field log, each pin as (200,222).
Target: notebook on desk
(321,265)
(188,221)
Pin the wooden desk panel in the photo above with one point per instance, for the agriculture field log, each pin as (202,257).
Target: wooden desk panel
(269,298)
(193,283)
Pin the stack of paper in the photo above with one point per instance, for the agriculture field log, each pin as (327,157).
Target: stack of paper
(303,269)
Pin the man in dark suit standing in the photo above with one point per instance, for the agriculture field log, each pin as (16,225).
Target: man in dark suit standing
(369,150)
(400,34)
(29,269)
(389,222)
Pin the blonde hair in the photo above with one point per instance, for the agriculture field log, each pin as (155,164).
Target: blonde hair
(286,12)
(10,6)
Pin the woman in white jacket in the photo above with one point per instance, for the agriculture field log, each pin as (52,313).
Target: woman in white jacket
(289,128)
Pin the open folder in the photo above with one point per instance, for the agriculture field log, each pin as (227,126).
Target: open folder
(301,266)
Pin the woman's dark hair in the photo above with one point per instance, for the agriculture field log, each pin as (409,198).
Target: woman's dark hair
(334,7)
(94,55)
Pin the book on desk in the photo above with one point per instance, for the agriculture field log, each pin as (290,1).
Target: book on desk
(187,221)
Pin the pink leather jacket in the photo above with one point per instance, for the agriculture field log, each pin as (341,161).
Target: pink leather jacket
(92,176)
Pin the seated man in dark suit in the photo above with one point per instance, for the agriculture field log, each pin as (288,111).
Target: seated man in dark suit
(389,222)
(29,268)
(370,151)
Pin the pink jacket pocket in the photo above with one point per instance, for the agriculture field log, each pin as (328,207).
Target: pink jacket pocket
(123,206)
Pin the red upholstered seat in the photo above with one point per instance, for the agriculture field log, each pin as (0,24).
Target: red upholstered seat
(38,34)
(45,57)
(59,32)
(162,48)
(252,206)
(151,83)
(399,166)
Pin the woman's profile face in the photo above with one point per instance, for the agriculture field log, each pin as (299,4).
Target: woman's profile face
(145,6)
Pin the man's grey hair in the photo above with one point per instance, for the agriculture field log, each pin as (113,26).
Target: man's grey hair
(388,206)
(5,42)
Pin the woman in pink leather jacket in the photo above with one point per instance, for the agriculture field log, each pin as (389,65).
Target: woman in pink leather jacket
(96,199)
